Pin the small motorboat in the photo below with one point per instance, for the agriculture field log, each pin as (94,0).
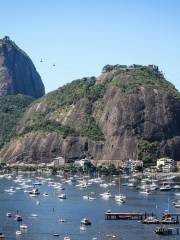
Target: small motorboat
(2,237)
(67,238)
(177,205)
(145,191)
(18,218)
(131,184)
(165,188)
(85,221)
(120,198)
(34,215)
(90,196)
(62,196)
(34,192)
(150,220)
(45,194)
(176,187)
(10,190)
(18,232)
(106,195)
(163,231)
(61,220)
(8,214)
(56,235)
(23,226)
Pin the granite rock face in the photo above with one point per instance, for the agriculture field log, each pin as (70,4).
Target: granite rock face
(135,108)
(17,72)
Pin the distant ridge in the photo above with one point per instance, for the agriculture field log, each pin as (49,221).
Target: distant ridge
(17,72)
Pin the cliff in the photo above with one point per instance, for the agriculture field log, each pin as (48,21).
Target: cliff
(126,112)
(17,72)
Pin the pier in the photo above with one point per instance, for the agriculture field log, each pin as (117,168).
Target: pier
(124,216)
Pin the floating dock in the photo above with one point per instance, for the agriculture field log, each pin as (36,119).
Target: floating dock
(124,216)
(161,222)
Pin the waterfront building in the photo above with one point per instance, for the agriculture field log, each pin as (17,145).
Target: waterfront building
(166,165)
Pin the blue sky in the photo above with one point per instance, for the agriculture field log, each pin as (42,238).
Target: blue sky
(81,36)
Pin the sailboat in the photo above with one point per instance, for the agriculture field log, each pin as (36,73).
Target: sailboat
(120,197)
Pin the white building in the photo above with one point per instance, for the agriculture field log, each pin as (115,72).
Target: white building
(133,164)
(166,164)
(82,162)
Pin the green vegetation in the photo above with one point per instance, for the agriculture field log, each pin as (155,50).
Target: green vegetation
(143,76)
(63,98)
(39,122)
(11,109)
(74,91)
(90,128)
(148,152)
(107,169)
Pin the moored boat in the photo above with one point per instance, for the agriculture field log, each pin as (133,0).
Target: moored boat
(62,196)
(163,231)
(18,232)
(34,192)
(23,226)
(18,218)
(2,237)
(150,220)
(165,188)
(85,221)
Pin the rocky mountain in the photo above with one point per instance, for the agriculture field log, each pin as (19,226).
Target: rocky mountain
(126,112)
(11,109)
(17,72)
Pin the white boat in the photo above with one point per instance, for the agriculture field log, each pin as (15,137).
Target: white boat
(106,195)
(34,192)
(90,196)
(82,184)
(151,219)
(56,235)
(67,238)
(176,187)
(34,215)
(61,220)
(86,197)
(2,237)
(23,226)
(85,221)
(18,218)
(8,214)
(165,188)
(18,232)
(177,205)
(153,186)
(104,185)
(120,198)
(45,194)
(62,196)
(145,191)
(177,194)
(131,184)
(10,190)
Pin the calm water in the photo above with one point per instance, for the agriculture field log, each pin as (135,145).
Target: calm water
(74,208)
